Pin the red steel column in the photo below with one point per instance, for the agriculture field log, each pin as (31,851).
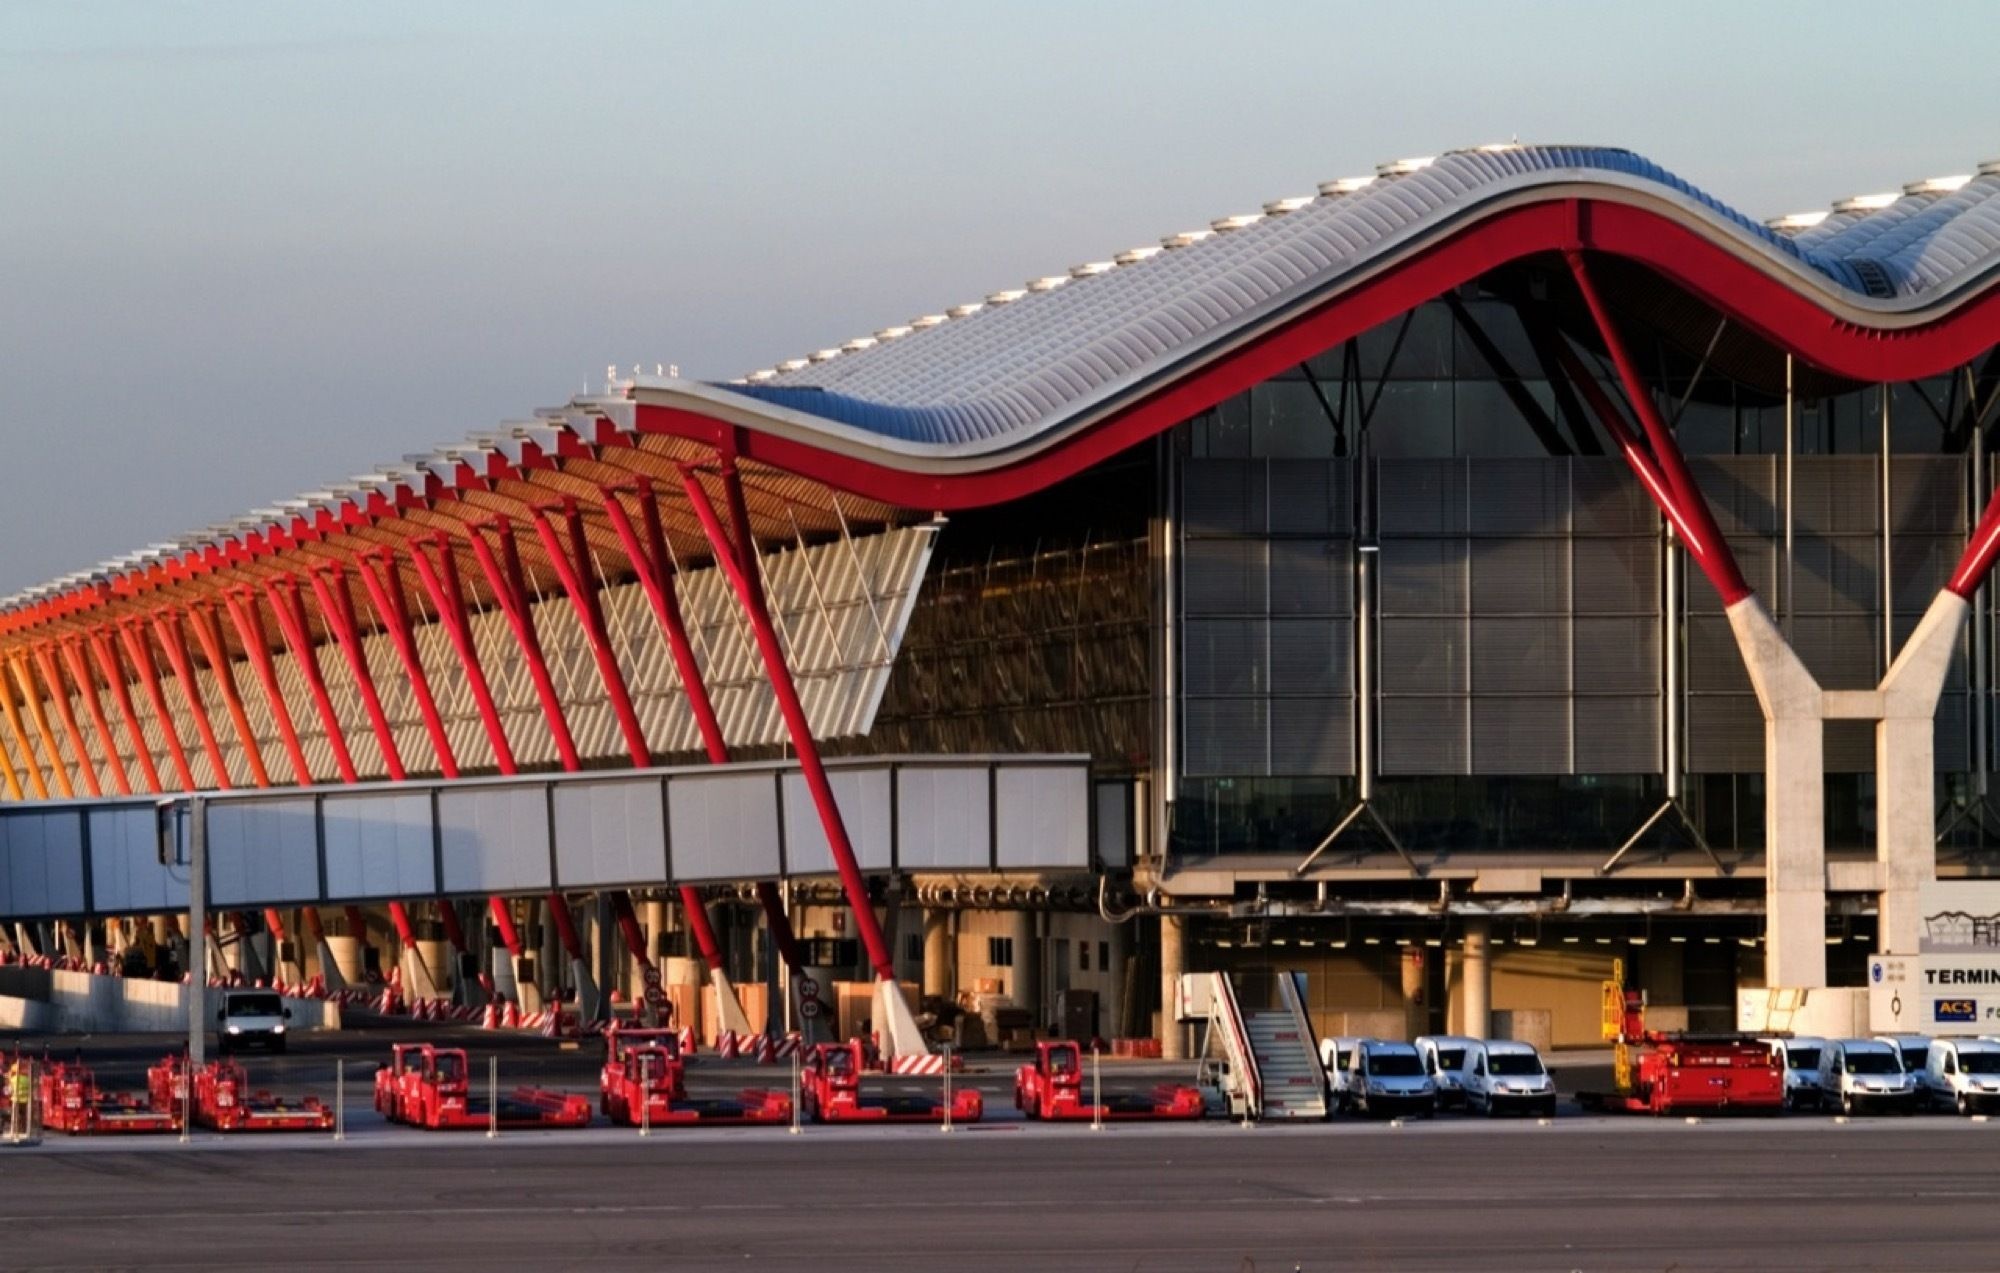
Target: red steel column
(336,609)
(1719,563)
(46,664)
(86,685)
(741,576)
(242,605)
(448,598)
(649,561)
(14,791)
(285,603)
(107,662)
(33,765)
(386,595)
(511,597)
(22,678)
(203,622)
(134,637)
(590,616)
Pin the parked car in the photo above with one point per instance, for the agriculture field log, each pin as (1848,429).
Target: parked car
(1503,1075)
(1915,1049)
(1389,1078)
(1800,1053)
(1962,1074)
(1445,1058)
(250,1019)
(1857,1074)
(1335,1056)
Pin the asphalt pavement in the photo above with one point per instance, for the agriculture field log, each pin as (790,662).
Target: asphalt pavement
(1575,1193)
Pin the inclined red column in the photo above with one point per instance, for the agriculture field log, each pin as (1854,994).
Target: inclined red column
(86,685)
(106,656)
(134,637)
(751,597)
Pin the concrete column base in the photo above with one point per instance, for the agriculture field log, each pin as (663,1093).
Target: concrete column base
(729,1008)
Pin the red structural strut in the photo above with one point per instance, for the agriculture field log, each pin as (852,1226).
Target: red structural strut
(385,593)
(447,596)
(1717,562)
(649,561)
(107,662)
(750,595)
(167,627)
(242,606)
(26,680)
(336,609)
(583,600)
(510,593)
(286,604)
(86,684)
(134,637)
(202,620)
(1979,552)
(46,664)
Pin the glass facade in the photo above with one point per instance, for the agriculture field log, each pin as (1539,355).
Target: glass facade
(1432,511)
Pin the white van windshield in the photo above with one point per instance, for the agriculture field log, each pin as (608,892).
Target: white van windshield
(1394,1065)
(1803,1058)
(1979,1062)
(1873,1063)
(1451,1058)
(1514,1063)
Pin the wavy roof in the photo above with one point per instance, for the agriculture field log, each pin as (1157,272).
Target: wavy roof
(991,399)
(1023,360)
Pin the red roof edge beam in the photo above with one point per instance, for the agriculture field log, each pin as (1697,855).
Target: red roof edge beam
(106,656)
(893,1012)
(86,685)
(133,634)
(46,665)
(649,562)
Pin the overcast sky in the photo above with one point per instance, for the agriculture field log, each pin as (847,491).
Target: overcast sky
(247,248)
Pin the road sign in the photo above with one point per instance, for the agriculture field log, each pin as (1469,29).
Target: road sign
(809,1008)
(808,988)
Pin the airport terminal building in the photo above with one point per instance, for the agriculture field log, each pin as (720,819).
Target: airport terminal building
(1442,583)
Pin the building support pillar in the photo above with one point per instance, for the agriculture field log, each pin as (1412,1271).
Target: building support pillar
(1173,964)
(1475,972)
(940,967)
(1416,1002)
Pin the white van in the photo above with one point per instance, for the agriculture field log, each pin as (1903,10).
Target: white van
(1800,1053)
(1962,1074)
(1389,1078)
(1336,1055)
(1501,1074)
(1858,1073)
(251,1018)
(1915,1049)
(1445,1057)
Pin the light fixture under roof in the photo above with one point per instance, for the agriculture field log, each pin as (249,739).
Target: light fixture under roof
(1279,207)
(1132,256)
(758,377)
(1939,185)
(1868,202)
(1798,220)
(1223,225)
(895,333)
(1401,167)
(1186,238)
(1346,185)
(860,343)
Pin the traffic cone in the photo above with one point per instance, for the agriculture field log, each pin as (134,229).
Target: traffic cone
(767,1050)
(512,1020)
(491,1018)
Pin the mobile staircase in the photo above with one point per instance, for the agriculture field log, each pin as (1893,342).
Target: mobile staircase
(1262,1060)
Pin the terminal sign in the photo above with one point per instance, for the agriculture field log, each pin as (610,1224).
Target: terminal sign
(1934,994)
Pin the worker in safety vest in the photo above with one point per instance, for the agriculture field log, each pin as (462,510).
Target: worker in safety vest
(18,1095)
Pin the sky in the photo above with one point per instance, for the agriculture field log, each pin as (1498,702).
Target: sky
(248,249)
